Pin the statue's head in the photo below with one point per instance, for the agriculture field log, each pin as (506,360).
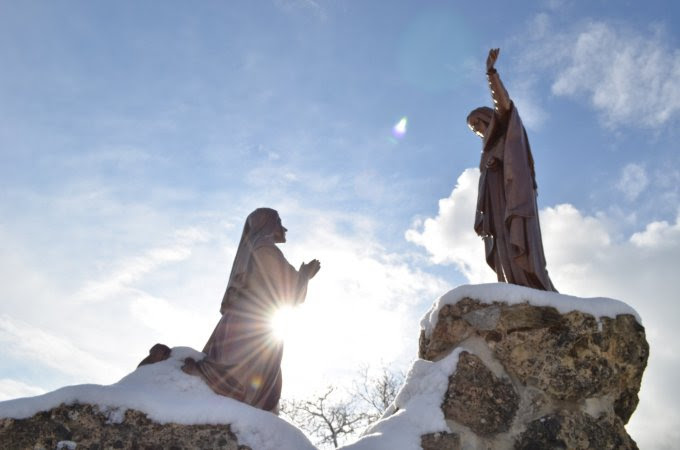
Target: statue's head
(266,221)
(479,119)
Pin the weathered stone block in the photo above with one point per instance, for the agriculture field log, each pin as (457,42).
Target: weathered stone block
(575,358)
(478,399)
(575,430)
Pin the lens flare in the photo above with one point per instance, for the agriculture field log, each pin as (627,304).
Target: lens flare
(399,130)
(256,382)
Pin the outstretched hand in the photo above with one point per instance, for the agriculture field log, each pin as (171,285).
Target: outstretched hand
(491,59)
(310,269)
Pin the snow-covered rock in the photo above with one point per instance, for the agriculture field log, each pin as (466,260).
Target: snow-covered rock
(503,366)
(155,406)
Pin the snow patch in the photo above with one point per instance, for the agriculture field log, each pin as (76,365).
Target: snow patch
(513,294)
(416,410)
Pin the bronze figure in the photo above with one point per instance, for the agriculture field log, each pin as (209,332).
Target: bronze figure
(507,213)
(243,358)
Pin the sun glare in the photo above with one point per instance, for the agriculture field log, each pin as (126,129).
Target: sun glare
(283,322)
(349,319)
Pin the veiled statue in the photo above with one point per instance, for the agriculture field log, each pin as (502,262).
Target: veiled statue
(243,357)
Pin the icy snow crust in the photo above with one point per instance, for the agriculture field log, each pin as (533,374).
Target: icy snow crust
(166,394)
(513,294)
(417,406)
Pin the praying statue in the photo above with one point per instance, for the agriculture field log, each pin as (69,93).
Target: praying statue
(243,357)
(507,213)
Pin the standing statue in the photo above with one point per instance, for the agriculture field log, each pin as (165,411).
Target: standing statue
(507,214)
(243,358)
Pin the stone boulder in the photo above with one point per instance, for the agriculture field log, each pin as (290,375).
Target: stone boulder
(87,427)
(534,375)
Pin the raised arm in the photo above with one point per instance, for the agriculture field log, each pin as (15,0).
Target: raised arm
(499,94)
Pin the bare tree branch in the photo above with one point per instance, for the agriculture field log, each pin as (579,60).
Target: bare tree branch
(331,418)
(377,392)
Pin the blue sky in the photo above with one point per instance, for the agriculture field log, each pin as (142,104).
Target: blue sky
(135,138)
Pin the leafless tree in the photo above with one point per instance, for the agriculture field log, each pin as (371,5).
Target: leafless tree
(377,392)
(324,417)
(332,416)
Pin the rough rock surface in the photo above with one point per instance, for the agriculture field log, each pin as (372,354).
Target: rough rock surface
(440,441)
(478,399)
(534,378)
(88,428)
(569,429)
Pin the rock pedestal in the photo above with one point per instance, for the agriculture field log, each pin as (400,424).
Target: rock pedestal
(84,426)
(531,377)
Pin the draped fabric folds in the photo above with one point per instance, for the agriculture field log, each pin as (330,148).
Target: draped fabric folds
(507,212)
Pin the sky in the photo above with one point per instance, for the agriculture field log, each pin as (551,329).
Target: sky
(136,137)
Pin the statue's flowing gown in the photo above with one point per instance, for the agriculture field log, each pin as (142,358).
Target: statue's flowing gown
(507,213)
(243,357)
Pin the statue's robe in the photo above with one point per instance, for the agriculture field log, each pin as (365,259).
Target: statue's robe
(507,213)
(243,357)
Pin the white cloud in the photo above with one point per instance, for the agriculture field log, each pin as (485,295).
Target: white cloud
(657,235)
(28,342)
(132,269)
(14,389)
(169,322)
(630,77)
(633,181)
(566,233)
(96,331)
(449,237)
(586,259)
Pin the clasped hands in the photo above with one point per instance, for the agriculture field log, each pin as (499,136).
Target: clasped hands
(310,269)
